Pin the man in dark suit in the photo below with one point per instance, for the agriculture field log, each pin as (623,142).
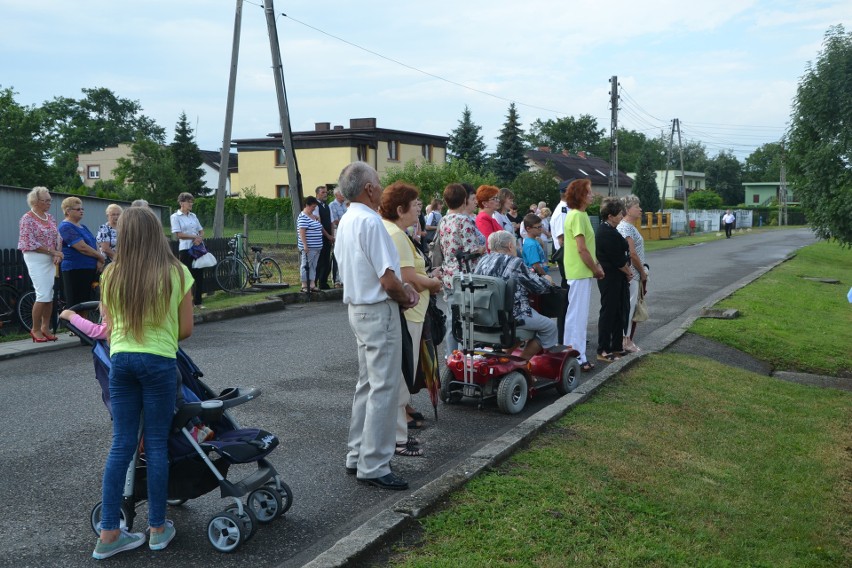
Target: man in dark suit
(324,262)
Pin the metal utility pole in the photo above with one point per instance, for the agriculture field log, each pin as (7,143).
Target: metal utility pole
(613,136)
(683,179)
(293,176)
(668,161)
(225,153)
(782,191)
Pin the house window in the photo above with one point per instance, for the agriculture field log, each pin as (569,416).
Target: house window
(280,158)
(755,198)
(282,191)
(362,152)
(93,172)
(393,150)
(427,152)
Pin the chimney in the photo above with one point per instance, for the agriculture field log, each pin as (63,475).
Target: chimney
(338,127)
(362,123)
(565,153)
(582,155)
(322,126)
(544,149)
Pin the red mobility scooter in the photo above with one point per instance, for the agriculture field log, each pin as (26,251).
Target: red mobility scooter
(489,364)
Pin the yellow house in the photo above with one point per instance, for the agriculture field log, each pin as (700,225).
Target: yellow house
(323,152)
(98,165)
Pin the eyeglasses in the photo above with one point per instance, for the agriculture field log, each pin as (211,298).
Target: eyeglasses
(495,198)
(45,200)
(534,227)
(76,209)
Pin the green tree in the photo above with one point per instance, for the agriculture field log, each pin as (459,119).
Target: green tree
(150,173)
(705,199)
(22,147)
(99,120)
(631,145)
(694,156)
(532,187)
(764,164)
(645,184)
(187,157)
(567,133)
(465,142)
(724,176)
(820,154)
(509,159)
(431,178)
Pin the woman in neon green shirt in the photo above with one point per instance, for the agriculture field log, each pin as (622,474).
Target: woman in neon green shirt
(147,300)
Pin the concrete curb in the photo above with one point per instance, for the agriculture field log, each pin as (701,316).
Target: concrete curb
(386,525)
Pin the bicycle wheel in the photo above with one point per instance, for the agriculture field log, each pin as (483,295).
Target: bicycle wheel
(8,305)
(268,271)
(231,274)
(25,310)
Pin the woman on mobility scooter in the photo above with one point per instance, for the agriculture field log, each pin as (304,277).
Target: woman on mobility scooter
(503,261)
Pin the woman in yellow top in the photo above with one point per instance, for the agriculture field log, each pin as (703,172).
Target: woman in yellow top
(400,209)
(147,300)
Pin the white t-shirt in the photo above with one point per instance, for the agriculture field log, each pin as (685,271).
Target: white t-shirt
(557,222)
(729,218)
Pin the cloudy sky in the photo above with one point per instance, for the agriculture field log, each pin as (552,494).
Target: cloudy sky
(728,69)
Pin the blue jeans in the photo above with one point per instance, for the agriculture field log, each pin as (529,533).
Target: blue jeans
(139,384)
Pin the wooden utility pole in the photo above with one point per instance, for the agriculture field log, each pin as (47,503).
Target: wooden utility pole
(293,176)
(225,152)
(613,136)
(782,191)
(683,179)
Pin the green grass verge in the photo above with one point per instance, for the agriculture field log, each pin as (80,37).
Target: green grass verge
(683,240)
(790,322)
(680,461)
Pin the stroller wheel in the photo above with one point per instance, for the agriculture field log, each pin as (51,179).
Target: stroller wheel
(286,495)
(266,504)
(248,518)
(175,502)
(225,531)
(125,518)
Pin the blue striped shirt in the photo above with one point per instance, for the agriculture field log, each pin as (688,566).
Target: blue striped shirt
(313,231)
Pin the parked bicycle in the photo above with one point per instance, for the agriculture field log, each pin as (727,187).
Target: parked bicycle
(26,301)
(238,270)
(9,297)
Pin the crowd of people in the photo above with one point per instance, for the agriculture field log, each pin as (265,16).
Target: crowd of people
(391,259)
(385,246)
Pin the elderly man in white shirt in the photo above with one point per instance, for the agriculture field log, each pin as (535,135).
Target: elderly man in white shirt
(369,268)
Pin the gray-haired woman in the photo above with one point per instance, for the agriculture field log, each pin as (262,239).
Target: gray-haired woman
(628,230)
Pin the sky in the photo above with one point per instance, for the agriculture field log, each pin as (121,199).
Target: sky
(728,69)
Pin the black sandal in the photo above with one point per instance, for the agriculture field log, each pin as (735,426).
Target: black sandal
(408,450)
(587,366)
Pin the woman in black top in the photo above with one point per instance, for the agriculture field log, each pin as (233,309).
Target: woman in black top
(612,252)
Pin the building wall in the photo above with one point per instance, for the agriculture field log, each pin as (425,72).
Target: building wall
(105,160)
(318,166)
(694,181)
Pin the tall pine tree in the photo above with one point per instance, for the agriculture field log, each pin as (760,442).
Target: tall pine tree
(466,143)
(509,159)
(645,184)
(187,157)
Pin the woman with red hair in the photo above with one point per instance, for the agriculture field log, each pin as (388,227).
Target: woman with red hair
(488,199)
(581,266)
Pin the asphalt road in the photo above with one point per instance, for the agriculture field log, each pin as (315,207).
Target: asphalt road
(56,432)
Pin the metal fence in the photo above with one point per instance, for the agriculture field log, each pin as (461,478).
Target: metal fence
(707,220)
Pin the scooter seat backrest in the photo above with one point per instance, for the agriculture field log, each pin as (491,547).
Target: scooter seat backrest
(489,301)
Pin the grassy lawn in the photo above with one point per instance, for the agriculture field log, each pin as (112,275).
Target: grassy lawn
(682,240)
(680,461)
(791,322)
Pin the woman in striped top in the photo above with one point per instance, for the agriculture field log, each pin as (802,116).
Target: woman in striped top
(309,230)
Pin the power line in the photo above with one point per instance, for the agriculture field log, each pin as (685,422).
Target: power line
(427,73)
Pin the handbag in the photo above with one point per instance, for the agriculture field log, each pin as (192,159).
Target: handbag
(408,372)
(641,311)
(435,323)
(197,251)
(205,261)
(436,255)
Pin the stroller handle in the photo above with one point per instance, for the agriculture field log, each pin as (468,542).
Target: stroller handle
(211,413)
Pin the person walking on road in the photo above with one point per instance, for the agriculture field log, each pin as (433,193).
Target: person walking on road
(373,292)
(324,261)
(728,219)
